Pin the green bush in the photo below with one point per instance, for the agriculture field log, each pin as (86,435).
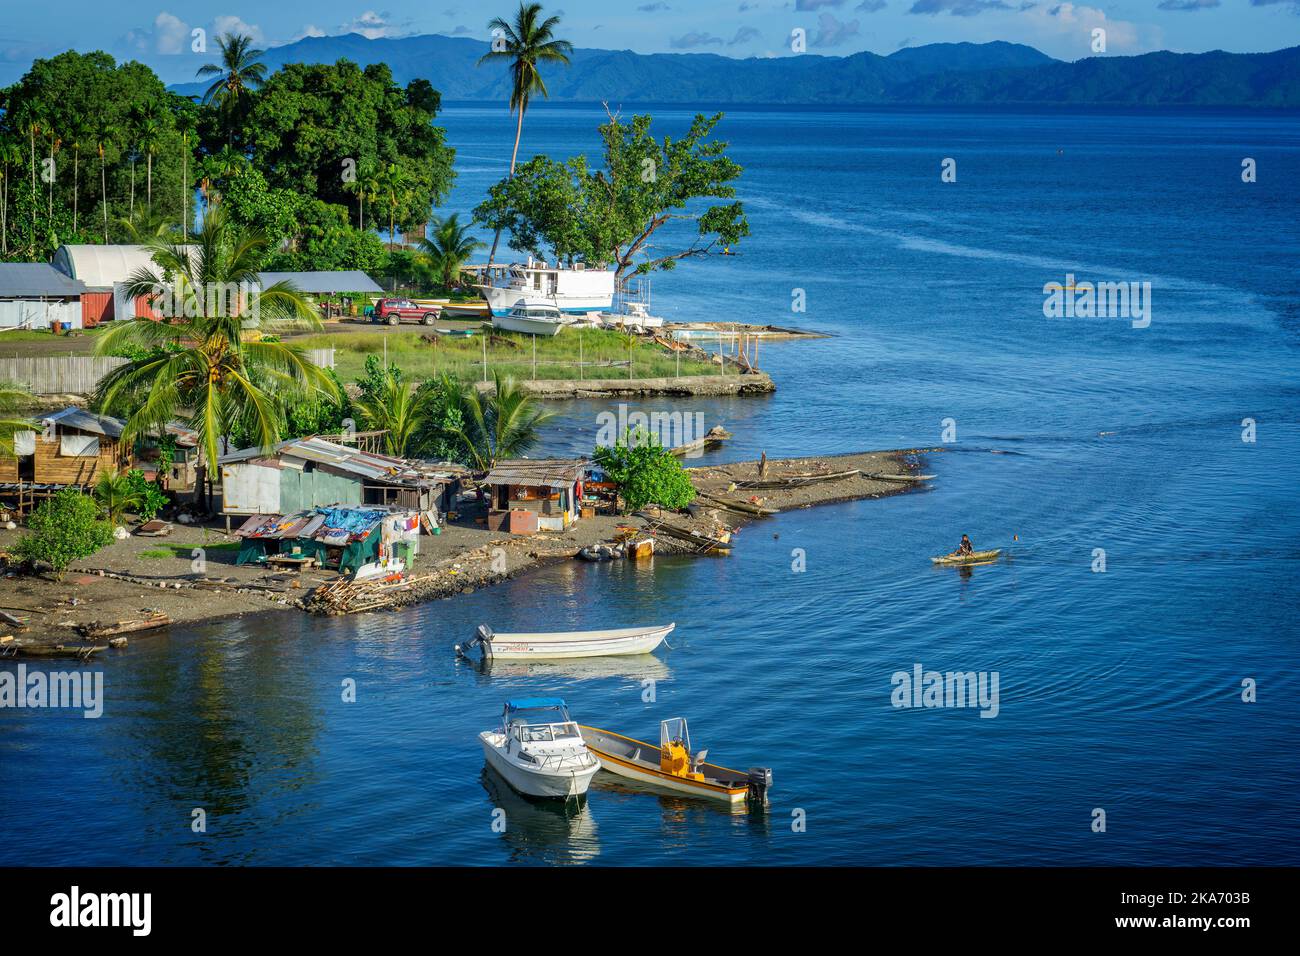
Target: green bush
(63,529)
(645,472)
(149,496)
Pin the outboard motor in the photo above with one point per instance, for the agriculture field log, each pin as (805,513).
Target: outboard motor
(760,781)
(482,638)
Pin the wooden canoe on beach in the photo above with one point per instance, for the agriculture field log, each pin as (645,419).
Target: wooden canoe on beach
(914,478)
(975,557)
(798,481)
(737,505)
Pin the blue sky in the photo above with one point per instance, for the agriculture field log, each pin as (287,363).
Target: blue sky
(151,30)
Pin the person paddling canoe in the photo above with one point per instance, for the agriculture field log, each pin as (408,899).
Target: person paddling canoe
(965,547)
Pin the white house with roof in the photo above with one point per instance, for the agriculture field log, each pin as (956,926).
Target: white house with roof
(34,295)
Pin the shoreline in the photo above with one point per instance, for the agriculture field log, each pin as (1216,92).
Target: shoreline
(120,584)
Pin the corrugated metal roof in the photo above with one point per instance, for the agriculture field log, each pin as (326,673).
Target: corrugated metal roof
(352,521)
(85,421)
(36,279)
(542,473)
(365,465)
(324,283)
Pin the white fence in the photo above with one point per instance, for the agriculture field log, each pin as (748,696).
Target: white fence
(322,357)
(58,374)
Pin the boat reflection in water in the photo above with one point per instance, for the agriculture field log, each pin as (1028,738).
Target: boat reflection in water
(542,831)
(638,668)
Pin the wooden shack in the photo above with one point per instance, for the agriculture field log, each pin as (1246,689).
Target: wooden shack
(73,447)
(541,495)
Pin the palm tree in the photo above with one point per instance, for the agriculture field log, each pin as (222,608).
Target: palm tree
(148,137)
(201,363)
(105,135)
(186,126)
(527,44)
(77,137)
(239,71)
(450,247)
(55,142)
(116,495)
(502,424)
(145,224)
(11,157)
(392,182)
(398,411)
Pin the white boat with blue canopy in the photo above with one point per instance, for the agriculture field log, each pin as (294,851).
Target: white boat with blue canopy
(539,749)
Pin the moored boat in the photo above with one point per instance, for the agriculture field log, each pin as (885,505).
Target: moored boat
(975,557)
(565,644)
(539,750)
(673,766)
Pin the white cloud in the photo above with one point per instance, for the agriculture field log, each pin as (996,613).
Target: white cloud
(1076,21)
(232,24)
(373,26)
(169,34)
(309,30)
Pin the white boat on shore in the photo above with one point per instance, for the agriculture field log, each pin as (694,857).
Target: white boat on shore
(562,644)
(533,320)
(539,749)
(577,290)
(634,317)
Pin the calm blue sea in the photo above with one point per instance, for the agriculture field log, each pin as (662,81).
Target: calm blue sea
(1119,691)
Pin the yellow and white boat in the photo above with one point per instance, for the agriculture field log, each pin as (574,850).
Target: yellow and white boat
(673,766)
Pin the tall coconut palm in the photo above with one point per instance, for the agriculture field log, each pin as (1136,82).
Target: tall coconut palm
(11,158)
(106,133)
(502,424)
(238,72)
(526,43)
(56,142)
(201,362)
(186,126)
(397,410)
(148,139)
(395,189)
(450,247)
(77,138)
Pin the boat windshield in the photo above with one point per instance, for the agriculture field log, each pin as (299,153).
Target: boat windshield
(534,733)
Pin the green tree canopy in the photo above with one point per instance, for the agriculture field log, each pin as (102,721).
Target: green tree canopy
(311,127)
(609,216)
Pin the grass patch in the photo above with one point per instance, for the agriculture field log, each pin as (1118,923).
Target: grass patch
(603,353)
(186,551)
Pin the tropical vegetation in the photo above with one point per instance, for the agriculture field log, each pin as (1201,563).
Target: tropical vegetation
(63,529)
(644,472)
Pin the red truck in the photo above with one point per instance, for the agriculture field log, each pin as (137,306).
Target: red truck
(393,311)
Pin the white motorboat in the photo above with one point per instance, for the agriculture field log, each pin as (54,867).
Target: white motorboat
(533,320)
(574,290)
(635,317)
(539,750)
(561,644)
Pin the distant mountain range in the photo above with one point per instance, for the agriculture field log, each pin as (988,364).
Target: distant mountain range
(938,73)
